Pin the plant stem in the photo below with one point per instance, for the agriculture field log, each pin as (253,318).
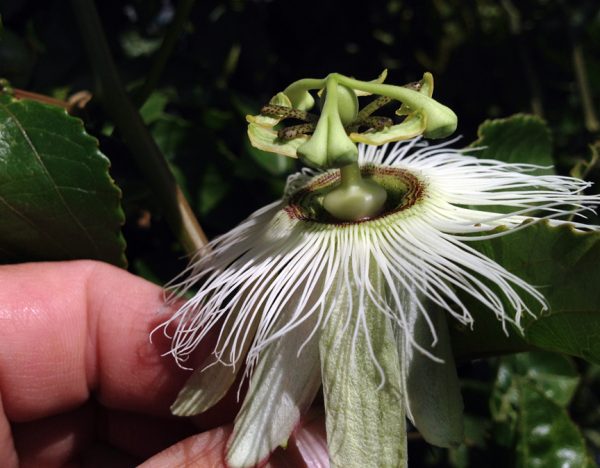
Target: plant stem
(73,106)
(30,96)
(230,65)
(589,114)
(166,48)
(127,120)
(521,46)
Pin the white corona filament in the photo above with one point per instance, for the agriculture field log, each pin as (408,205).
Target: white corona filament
(274,261)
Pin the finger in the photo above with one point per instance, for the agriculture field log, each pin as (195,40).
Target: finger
(308,444)
(104,456)
(306,447)
(57,440)
(141,435)
(67,328)
(203,450)
(52,441)
(8,453)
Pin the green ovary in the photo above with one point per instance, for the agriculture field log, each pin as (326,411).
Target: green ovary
(356,195)
(354,198)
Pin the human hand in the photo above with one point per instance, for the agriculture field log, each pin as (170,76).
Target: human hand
(80,383)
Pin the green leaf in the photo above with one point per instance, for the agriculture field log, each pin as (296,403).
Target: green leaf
(213,188)
(154,107)
(552,374)
(274,164)
(546,434)
(476,433)
(523,139)
(170,133)
(135,45)
(528,405)
(57,200)
(563,263)
(265,139)
(519,139)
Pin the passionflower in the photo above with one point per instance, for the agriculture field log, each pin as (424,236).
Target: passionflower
(299,298)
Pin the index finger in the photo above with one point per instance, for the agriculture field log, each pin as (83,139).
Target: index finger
(71,328)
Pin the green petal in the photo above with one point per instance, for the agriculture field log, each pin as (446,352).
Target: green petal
(263,137)
(279,99)
(210,382)
(283,386)
(204,388)
(329,145)
(441,120)
(434,401)
(426,89)
(365,419)
(267,140)
(412,126)
(300,99)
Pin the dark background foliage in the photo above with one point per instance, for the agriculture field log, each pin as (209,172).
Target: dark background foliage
(489,59)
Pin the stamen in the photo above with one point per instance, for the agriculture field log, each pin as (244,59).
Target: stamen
(289,133)
(376,122)
(373,106)
(274,110)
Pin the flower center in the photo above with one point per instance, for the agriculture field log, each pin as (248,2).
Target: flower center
(403,190)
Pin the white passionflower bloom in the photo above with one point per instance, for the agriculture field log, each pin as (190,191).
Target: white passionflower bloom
(271,286)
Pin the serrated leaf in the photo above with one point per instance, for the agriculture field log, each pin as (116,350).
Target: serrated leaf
(563,263)
(57,200)
(528,405)
(521,138)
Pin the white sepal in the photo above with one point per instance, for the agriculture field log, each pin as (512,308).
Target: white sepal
(282,387)
(364,404)
(433,399)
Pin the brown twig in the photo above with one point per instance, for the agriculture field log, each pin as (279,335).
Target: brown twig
(136,136)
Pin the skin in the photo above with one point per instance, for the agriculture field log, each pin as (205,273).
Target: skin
(80,383)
